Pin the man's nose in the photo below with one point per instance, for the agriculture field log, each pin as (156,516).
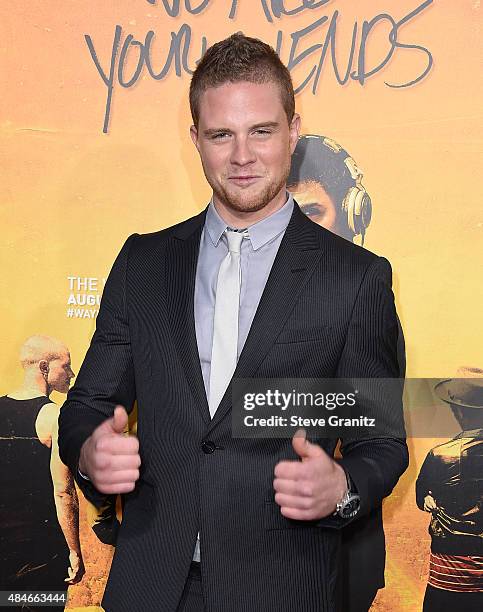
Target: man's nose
(242,153)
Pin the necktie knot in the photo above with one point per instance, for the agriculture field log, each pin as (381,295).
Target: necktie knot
(234,240)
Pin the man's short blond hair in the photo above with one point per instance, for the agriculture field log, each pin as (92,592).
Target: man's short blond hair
(38,347)
(241,58)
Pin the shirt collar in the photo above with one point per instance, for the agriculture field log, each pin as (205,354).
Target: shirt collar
(260,233)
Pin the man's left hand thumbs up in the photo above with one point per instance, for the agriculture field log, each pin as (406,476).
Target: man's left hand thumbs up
(309,489)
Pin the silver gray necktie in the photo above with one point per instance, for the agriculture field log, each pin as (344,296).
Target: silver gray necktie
(225,323)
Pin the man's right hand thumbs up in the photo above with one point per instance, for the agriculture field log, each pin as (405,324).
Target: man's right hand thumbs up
(109,458)
(119,421)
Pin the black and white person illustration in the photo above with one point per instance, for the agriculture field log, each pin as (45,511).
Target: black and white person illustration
(39,508)
(450,488)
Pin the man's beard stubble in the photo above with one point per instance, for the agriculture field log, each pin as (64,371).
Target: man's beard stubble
(238,203)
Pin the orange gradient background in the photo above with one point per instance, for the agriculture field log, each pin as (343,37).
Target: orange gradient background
(71,194)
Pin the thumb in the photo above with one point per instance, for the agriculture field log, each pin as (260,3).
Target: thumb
(119,421)
(304,448)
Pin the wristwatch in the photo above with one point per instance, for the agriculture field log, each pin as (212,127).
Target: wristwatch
(349,505)
(84,476)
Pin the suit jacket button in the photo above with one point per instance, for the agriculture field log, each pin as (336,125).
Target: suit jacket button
(208,447)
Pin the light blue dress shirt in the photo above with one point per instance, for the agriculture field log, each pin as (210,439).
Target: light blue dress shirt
(257,254)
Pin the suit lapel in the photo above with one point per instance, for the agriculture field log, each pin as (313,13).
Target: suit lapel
(296,259)
(181,260)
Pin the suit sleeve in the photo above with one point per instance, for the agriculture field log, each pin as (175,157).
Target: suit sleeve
(371,351)
(106,377)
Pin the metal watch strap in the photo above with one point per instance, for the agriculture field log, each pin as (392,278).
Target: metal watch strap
(348,506)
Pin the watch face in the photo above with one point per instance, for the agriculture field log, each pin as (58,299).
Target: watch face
(351,507)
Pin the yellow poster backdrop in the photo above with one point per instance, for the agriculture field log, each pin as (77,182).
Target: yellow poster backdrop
(95,145)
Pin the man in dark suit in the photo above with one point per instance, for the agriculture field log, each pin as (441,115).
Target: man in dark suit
(249,288)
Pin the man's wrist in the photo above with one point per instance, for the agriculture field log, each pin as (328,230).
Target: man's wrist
(344,483)
(349,504)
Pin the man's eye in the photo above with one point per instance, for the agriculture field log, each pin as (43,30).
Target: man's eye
(262,132)
(219,135)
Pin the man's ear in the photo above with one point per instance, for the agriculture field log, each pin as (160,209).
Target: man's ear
(194,136)
(44,367)
(294,131)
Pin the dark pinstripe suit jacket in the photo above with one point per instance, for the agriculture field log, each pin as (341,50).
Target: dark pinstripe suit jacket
(327,311)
